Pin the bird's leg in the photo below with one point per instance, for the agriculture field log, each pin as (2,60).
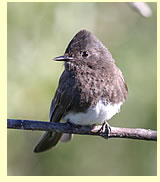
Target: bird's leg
(105,129)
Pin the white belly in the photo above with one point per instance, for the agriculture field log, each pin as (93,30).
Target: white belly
(95,115)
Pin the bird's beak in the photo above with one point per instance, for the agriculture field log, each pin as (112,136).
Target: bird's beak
(62,58)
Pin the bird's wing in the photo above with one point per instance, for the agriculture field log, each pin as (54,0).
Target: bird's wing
(123,85)
(59,105)
(62,99)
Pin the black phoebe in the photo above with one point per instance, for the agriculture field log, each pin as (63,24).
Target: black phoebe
(91,89)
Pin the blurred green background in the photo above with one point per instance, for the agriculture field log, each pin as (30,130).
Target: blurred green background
(37,32)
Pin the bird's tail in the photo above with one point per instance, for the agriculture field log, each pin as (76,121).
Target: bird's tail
(47,141)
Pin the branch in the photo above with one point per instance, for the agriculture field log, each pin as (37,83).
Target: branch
(114,132)
(142,8)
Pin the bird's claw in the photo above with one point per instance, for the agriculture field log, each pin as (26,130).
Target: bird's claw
(105,130)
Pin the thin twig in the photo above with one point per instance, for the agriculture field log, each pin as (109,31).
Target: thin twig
(114,132)
(142,8)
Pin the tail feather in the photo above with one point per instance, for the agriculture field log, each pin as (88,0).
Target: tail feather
(47,141)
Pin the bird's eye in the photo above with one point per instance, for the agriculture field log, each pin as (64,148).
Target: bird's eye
(84,54)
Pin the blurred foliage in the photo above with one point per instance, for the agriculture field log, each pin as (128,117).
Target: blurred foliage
(37,32)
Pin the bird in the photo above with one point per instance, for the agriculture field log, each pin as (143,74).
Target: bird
(91,89)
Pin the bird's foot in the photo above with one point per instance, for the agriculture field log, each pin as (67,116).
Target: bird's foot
(105,130)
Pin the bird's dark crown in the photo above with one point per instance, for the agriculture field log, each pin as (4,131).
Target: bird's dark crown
(85,47)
